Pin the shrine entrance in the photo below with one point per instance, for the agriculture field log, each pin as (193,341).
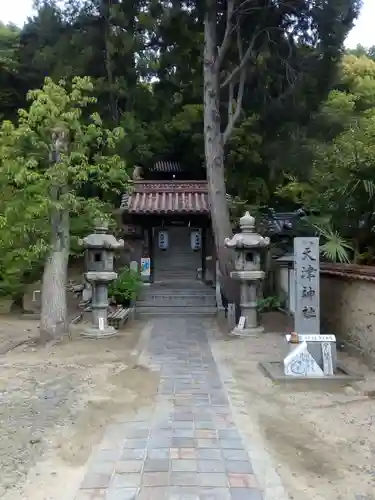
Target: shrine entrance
(174,257)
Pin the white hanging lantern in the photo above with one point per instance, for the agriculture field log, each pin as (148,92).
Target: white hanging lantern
(163,240)
(195,240)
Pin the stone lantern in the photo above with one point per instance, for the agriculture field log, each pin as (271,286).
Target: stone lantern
(247,246)
(100,248)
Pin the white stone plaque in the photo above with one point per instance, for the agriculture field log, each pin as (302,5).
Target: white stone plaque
(300,363)
(327,358)
(101,323)
(241,323)
(307,269)
(314,338)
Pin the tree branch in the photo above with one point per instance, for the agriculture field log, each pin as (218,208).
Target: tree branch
(238,69)
(230,101)
(233,117)
(227,35)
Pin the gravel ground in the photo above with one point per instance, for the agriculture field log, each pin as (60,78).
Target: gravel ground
(55,401)
(33,404)
(322,440)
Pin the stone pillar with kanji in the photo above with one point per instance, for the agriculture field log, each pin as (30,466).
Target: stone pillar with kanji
(248,245)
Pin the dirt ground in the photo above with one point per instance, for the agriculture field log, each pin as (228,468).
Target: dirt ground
(55,402)
(322,441)
(57,399)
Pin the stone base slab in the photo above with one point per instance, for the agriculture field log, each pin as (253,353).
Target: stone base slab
(247,332)
(275,371)
(95,333)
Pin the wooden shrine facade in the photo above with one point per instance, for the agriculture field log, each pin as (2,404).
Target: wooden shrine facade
(168,222)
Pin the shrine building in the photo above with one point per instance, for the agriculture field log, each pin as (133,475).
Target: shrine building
(166,223)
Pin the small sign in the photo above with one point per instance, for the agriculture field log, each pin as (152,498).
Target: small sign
(101,323)
(145,266)
(314,338)
(241,323)
(132,230)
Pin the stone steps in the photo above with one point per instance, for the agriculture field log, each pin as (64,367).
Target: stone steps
(174,311)
(164,300)
(180,298)
(173,285)
(163,292)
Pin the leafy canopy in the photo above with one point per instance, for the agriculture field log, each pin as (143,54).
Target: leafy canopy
(30,174)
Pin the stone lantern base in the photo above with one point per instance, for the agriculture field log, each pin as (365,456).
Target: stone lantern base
(247,332)
(95,333)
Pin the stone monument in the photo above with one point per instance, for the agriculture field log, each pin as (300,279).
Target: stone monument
(100,247)
(247,246)
(307,271)
(310,354)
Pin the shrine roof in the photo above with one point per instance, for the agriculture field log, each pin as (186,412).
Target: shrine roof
(167,167)
(167,197)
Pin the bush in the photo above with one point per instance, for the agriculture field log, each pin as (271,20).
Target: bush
(268,304)
(126,287)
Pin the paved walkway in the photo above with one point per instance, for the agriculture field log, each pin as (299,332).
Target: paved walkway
(187,446)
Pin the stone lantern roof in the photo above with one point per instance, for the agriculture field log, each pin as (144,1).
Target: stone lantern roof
(101,239)
(247,238)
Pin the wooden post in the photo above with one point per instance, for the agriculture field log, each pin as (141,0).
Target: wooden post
(151,251)
(203,253)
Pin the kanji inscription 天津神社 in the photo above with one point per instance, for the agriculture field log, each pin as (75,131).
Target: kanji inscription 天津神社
(306,265)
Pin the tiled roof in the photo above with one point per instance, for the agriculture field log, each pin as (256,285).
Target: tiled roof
(167,167)
(167,197)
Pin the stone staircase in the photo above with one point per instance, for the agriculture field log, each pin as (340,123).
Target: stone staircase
(173,297)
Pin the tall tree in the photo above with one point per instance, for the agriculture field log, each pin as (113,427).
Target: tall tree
(9,71)
(46,159)
(301,36)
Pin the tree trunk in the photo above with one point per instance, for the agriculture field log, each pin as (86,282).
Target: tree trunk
(214,154)
(54,314)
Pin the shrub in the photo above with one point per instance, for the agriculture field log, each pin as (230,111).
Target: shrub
(268,304)
(126,287)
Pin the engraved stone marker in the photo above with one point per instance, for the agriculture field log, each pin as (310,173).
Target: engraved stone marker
(300,363)
(322,348)
(306,265)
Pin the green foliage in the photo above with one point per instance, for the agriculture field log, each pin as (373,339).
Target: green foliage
(29,176)
(334,248)
(121,115)
(268,304)
(126,287)
(339,183)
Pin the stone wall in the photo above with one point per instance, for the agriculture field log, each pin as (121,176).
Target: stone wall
(348,305)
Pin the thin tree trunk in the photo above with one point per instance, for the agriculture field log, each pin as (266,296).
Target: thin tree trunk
(214,153)
(54,314)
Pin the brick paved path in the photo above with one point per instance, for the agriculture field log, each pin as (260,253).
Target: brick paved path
(187,446)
